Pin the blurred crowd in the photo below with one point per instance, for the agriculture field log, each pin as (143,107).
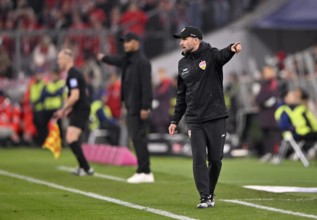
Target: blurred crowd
(257,100)
(252,98)
(32,32)
(31,88)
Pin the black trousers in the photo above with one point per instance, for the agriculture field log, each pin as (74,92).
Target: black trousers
(207,141)
(137,130)
(270,139)
(40,126)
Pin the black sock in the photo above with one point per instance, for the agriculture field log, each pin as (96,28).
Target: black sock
(76,148)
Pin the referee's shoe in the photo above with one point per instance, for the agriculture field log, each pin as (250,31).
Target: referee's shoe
(81,172)
(206,202)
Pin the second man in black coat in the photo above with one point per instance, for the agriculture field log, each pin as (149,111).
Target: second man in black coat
(136,95)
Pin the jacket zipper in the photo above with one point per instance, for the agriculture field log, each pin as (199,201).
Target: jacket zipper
(193,66)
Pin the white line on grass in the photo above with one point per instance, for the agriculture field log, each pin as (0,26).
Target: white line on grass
(277,199)
(95,196)
(271,209)
(100,175)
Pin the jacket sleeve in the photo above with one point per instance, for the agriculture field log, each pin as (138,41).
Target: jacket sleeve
(181,105)
(113,60)
(146,84)
(224,55)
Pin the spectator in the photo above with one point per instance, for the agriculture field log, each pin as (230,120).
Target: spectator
(45,53)
(5,63)
(293,115)
(101,118)
(107,7)
(9,120)
(27,119)
(96,22)
(232,98)
(266,101)
(52,96)
(94,75)
(134,20)
(181,14)
(36,87)
(114,95)
(161,97)
(221,12)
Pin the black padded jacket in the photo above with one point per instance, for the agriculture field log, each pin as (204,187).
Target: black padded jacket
(200,85)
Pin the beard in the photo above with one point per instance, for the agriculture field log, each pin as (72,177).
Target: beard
(187,50)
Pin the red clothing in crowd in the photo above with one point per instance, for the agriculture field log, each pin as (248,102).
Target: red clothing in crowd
(28,126)
(10,115)
(134,21)
(114,99)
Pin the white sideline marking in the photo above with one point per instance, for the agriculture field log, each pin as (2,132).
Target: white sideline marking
(276,199)
(95,196)
(100,175)
(283,189)
(271,209)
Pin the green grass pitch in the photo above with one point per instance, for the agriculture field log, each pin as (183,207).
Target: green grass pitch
(174,190)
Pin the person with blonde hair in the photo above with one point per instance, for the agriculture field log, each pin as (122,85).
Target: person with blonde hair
(76,107)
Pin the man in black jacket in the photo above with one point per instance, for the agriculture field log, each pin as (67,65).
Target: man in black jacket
(136,94)
(200,95)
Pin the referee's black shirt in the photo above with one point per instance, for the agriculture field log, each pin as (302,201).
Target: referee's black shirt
(75,80)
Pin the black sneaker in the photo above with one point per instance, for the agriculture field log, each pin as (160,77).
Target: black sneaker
(206,202)
(82,172)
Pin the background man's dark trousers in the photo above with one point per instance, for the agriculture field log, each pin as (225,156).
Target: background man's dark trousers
(138,130)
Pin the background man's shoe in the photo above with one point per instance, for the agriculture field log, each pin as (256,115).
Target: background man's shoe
(141,178)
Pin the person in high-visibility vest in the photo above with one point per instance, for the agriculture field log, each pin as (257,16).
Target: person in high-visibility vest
(102,118)
(35,89)
(296,117)
(53,98)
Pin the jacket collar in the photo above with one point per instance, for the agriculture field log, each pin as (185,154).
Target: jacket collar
(132,56)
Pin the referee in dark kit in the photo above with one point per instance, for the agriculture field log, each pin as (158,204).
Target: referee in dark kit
(200,95)
(76,107)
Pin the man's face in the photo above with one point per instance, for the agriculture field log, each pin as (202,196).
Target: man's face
(292,98)
(268,73)
(131,46)
(188,44)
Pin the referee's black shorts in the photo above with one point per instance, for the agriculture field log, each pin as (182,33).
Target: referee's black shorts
(79,119)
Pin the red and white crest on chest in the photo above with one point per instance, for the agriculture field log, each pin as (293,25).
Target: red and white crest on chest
(202,65)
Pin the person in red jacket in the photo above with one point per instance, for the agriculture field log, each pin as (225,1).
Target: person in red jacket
(9,119)
(114,96)
(134,20)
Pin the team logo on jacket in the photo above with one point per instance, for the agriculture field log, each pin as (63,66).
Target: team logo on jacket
(202,65)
